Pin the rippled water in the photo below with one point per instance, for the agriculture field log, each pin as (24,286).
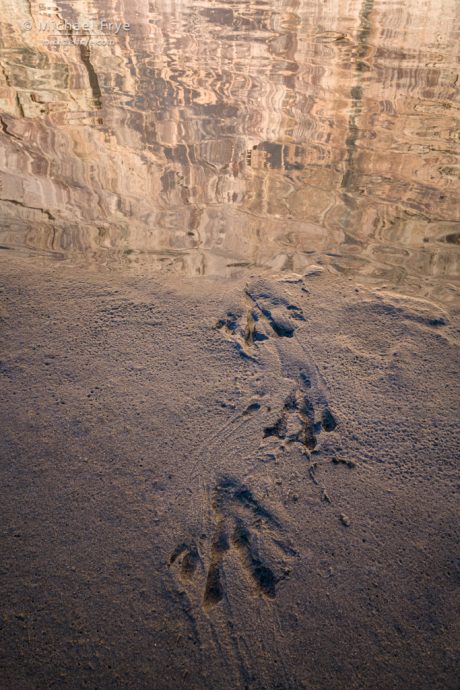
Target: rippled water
(212,136)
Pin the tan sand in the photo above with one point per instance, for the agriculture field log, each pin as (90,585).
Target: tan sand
(218,485)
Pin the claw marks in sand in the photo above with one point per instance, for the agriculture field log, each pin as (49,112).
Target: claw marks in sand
(239,520)
(268,313)
(300,422)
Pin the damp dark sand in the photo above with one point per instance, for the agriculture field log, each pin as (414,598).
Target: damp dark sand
(225,485)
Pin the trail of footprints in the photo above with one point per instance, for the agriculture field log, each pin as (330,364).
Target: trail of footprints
(273,314)
(239,518)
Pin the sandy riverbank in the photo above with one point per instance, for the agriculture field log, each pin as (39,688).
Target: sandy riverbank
(225,485)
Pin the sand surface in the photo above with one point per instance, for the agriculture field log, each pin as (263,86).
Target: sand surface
(219,485)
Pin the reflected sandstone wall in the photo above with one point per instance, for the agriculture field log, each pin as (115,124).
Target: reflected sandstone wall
(213,135)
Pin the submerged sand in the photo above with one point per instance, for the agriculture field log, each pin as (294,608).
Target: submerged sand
(210,484)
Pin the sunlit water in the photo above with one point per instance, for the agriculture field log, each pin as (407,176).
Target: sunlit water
(216,137)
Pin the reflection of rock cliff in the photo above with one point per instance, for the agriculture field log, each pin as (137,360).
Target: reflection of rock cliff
(257,133)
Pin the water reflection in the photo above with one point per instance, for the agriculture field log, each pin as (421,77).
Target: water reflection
(209,137)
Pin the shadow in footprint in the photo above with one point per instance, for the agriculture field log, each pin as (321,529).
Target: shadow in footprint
(262,575)
(298,421)
(187,559)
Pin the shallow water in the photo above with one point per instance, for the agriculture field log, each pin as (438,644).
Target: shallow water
(212,138)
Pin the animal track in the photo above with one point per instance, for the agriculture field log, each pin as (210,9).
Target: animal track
(241,328)
(263,332)
(305,413)
(187,558)
(262,575)
(231,505)
(266,313)
(273,308)
(299,421)
(238,520)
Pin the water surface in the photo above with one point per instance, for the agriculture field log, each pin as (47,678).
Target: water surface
(214,138)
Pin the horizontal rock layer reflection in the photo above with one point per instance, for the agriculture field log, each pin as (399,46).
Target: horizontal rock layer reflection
(211,137)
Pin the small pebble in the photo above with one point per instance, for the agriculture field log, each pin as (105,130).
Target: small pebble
(313,270)
(345,520)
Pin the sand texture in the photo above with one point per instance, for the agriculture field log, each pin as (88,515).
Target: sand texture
(221,485)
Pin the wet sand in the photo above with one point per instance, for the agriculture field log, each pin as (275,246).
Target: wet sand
(225,484)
